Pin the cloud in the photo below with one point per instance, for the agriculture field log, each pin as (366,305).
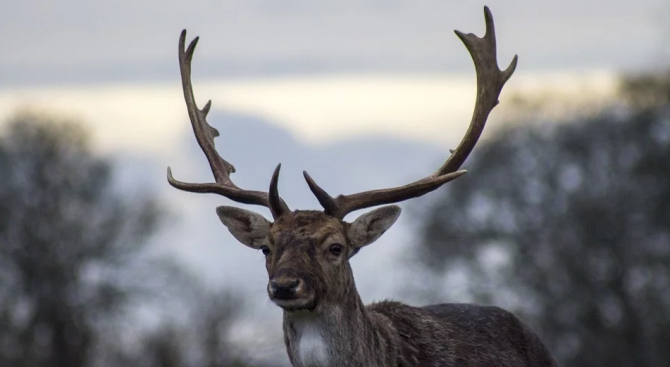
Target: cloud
(317,110)
(57,42)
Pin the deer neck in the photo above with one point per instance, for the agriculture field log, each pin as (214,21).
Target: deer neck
(334,334)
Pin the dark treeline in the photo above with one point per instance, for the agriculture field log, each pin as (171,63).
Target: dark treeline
(74,264)
(568,224)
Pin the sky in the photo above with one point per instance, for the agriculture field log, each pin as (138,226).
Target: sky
(128,40)
(325,70)
(343,88)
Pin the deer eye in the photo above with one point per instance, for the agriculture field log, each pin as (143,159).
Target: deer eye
(336,249)
(266,250)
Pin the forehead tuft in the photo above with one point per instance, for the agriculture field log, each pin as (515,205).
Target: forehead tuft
(306,222)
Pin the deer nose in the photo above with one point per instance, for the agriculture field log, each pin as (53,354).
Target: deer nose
(284,288)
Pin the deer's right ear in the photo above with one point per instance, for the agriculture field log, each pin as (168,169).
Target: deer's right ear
(246,226)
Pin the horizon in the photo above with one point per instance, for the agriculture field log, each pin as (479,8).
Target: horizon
(148,118)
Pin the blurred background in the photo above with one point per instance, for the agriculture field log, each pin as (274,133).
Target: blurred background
(564,217)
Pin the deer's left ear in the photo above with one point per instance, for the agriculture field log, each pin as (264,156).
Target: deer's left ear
(367,228)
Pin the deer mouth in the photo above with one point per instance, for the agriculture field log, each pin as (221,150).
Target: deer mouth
(291,293)
(295,304)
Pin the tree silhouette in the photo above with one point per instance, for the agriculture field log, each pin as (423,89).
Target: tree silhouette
(202,339)
(646,90)
(66,237)
(568,224)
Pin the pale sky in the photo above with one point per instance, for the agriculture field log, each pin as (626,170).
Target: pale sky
(55,42)
(325,71)
(151,118)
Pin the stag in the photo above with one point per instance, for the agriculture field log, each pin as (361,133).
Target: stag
(307,255)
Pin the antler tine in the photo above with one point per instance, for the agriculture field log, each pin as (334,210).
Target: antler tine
(205,134)
(342,205)
(490,81)
(276,204)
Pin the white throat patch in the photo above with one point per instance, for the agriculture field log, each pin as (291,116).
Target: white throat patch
(312,348)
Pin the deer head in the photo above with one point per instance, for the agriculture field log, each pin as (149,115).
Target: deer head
(307,252)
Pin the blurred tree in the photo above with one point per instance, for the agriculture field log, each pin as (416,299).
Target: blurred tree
(646,90)
(200,339)
(66,237)
(569,225)
(164,347)
(212,319)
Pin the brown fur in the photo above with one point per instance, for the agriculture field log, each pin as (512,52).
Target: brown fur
(384,334)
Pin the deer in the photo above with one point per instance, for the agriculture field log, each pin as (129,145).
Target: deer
(307,254)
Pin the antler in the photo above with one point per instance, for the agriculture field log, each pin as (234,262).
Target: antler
(490,81)
(205,135)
